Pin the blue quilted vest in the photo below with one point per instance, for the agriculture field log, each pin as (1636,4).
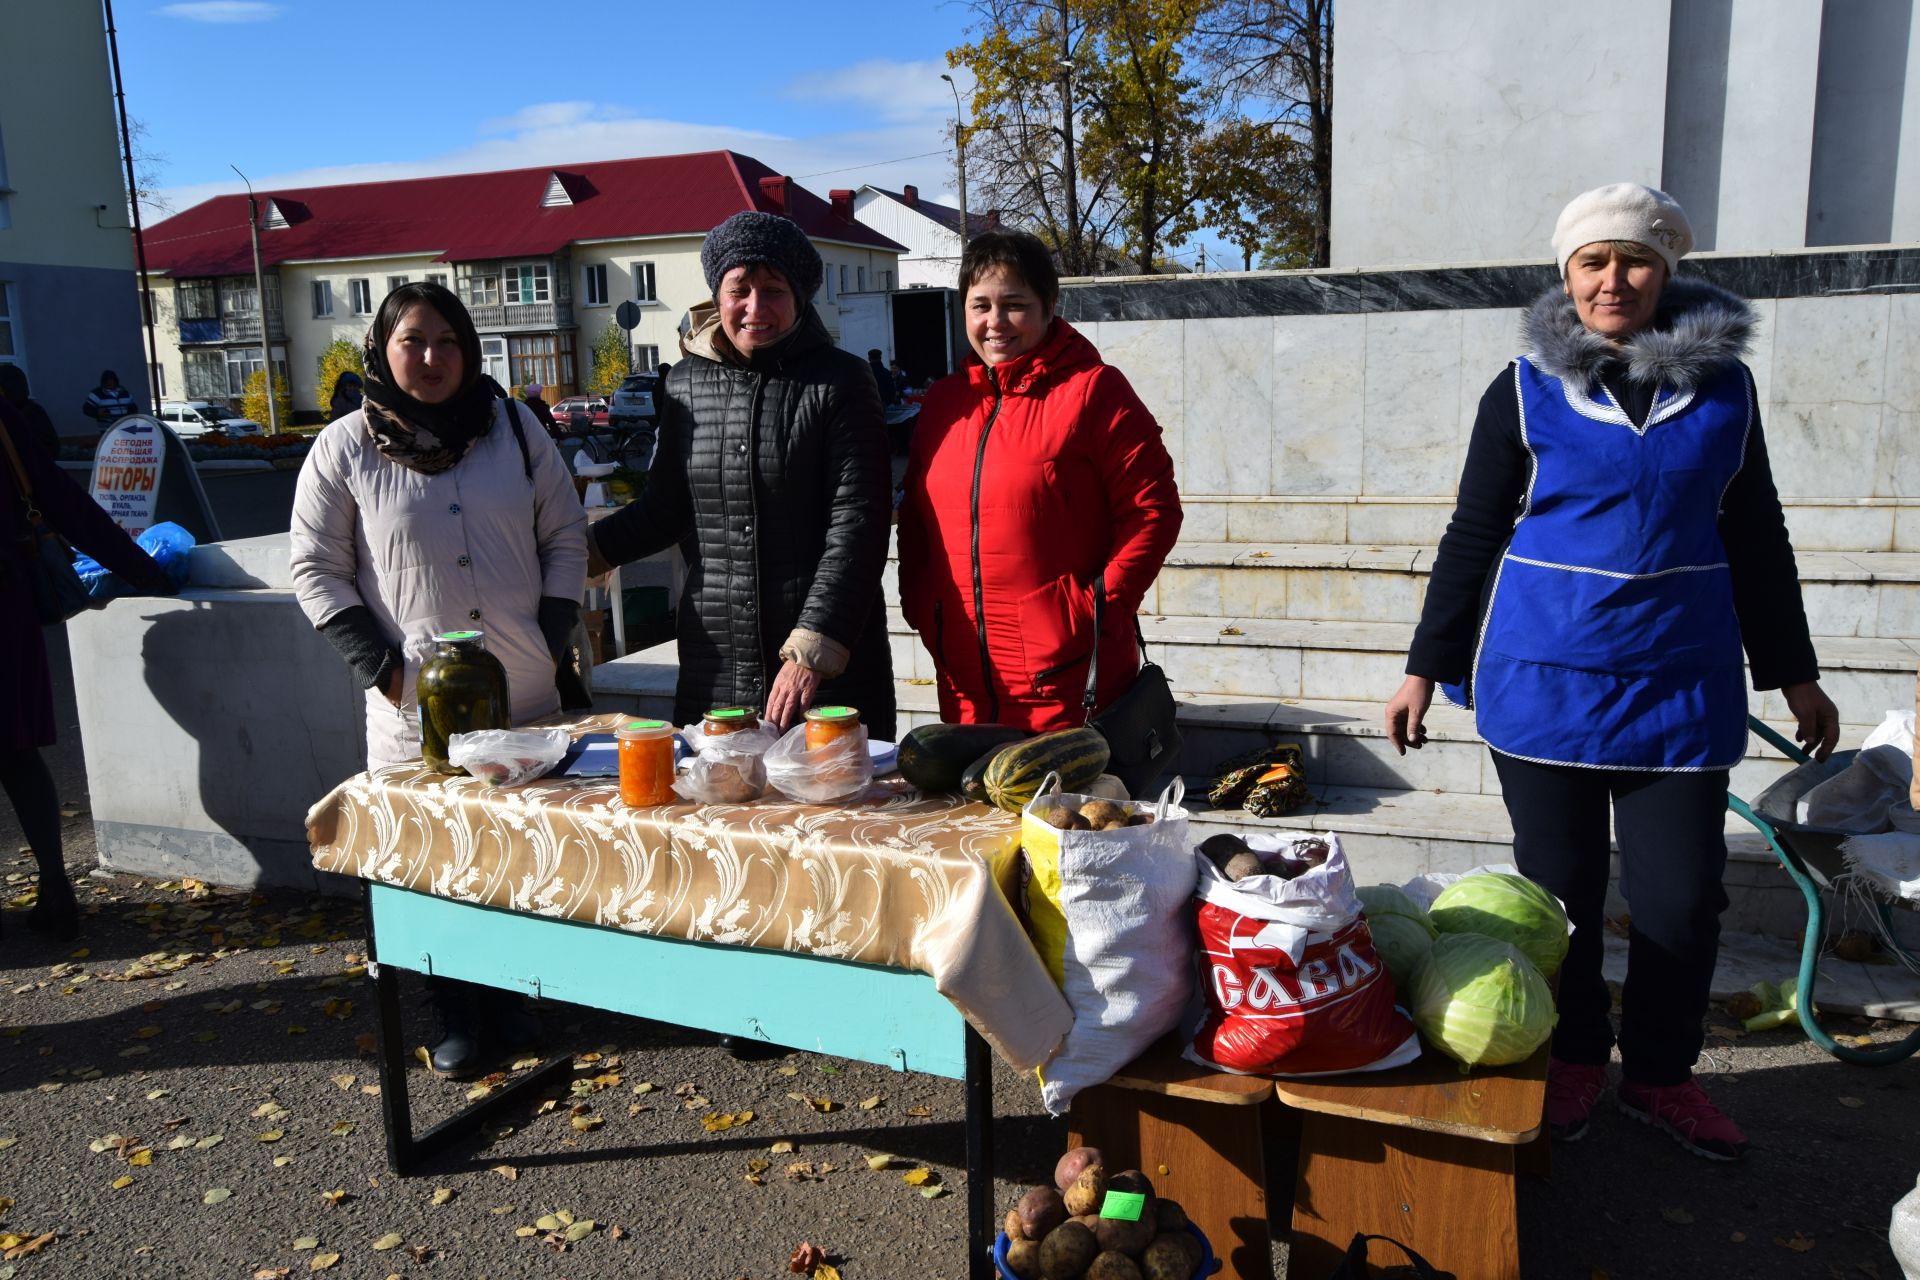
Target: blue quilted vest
(1610,638)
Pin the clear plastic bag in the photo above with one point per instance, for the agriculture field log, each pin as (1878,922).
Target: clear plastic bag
(725,768)
(838,771)
(508,757)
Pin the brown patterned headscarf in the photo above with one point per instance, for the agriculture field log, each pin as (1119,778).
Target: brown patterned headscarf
(428,438)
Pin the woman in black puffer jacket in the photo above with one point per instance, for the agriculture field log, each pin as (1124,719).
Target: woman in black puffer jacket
(772,475)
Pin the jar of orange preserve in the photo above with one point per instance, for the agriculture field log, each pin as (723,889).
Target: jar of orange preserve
(646,763)
(830,724)
(725,720)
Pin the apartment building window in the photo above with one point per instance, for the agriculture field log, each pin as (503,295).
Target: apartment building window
(480,290)
(540,357)
(437,277)
(9,331)
(863,278)
(322,299)
(843,277)
(593,285)
(360,293)
(827,278)
(197,300)
(886,281)
(395,282)
(643,283)
(206,374)
(244,362)
(527,282)
(238,298)
(646,357)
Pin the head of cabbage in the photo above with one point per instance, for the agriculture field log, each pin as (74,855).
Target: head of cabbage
(1511,908)
(1402,942)
(1480,1001)
(1379,900)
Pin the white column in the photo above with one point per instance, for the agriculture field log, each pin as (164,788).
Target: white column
(1773,68)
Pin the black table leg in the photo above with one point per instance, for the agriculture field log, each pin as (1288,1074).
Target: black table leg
(980,1219)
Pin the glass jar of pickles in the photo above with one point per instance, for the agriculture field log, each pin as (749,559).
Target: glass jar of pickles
(646,763)
(830,724)
(462,689)
(725,720)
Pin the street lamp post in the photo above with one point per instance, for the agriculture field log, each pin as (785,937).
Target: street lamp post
(260,296)
(960,150)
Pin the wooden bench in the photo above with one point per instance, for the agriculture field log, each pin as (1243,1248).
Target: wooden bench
(1411,1153)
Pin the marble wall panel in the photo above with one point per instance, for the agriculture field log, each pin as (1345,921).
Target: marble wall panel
(1899,455)
(1353,761)
(1842,608)
(1760,352)
(1488,341)
(1354,596)
(1284,521)
(1413,391)
(1837,528)
(1351,675)
(1243,670)
(1899,615)
(1828,378)
(1228,380)
(1319,403)
(1201,520)
(1377,859)
(1398,524)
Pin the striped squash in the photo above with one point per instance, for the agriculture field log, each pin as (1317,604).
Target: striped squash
(1079,756)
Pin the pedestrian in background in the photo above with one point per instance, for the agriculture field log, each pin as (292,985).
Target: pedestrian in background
(540,408)
(1036,479)
(109,402)
(437,507)
(348,390)
(16,391)
(780,434)
(889,393)
(26,684)
(1616,540)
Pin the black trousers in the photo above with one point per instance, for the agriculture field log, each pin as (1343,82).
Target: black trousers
(1673,855)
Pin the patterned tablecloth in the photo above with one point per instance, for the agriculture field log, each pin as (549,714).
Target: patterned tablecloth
(893,878)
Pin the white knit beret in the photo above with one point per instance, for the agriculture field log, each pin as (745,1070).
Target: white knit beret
(1624,211)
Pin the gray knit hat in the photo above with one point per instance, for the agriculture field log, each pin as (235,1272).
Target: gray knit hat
(766,238)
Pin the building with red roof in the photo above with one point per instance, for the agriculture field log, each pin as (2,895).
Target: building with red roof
(541,256)
(929,230)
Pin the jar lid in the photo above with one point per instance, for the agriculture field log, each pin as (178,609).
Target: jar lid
(833,713)
(644,726)
(457,637)
(728,713)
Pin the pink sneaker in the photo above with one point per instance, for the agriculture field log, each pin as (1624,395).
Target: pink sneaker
(1572,1089)
(1685,1111)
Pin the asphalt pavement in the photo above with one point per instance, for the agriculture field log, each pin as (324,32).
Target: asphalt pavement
(187,1091)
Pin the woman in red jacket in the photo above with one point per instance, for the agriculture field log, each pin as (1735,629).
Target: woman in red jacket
(1037,477)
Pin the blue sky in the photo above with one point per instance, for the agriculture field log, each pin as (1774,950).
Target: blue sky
(301,92)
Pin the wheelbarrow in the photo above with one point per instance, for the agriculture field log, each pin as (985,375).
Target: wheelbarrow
(1812,858)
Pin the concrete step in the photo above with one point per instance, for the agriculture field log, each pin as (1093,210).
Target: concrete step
(1816,524)
(1846,594)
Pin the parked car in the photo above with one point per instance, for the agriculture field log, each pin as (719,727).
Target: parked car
(577,413)
(190,418)
(633,401)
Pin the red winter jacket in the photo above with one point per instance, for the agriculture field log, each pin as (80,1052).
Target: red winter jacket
(1028,480)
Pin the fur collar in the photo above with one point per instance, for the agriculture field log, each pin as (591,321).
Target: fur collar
(1699,329)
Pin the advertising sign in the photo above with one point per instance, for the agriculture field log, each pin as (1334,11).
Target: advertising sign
(126,471)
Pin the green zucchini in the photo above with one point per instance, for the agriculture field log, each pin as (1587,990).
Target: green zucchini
(934,756)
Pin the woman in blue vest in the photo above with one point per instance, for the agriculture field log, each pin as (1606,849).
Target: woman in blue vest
(1616,543)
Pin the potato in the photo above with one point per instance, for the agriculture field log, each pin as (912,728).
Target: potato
(1067,1252)
(1101,812)
(1113,1266)
(1117,1235)
(1078,823)
(1061,818)
(1023,1259)
(1169,1216)
(1072,1163)
(1040,1211)
(1140,820)
(1132,1180)
(1118,824)
(1217,849)
(1171,1257)
(1242,865)
(1087,1220)
(1088,1190)
(1015,1228)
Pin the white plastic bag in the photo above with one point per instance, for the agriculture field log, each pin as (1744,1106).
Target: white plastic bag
(1903,1233)
(1109,914)
(725,768)
(508,757)
(838,771)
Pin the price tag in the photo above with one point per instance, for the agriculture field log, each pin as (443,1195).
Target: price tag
(1127,1206)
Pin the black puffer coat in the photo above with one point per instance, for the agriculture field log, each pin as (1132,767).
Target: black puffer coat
(773,477)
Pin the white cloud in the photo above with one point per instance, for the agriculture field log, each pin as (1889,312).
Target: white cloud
(222,11)
(896,90)
(891,153)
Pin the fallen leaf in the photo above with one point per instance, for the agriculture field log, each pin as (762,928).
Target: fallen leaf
(121,1183)
(933,1193)
(281,1162)
(146,1033)
(645,1086)
(525,1232)
(1231,631)
(587,1124)
(215,1195)
(1676,1215)
(270,1273)
(826,1271)
(790,1069)
(335,1196)
(141,1158)
(1855,1103)
(8,1141)
(919,1177)
(209,1142)
(579,1230)
(507,1171)
(391,1240)
(307,1242)
(271,1135)
(501,1210)
(341,1130)
(879,1162)
(343,1081)
(919,1111)
(524,1064)
(806,1258)
(868,1104)
(1800,1242)
(321,1261)
(782,1148)
(617,1232)
(441,1195)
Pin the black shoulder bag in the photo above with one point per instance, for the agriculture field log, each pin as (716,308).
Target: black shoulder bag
(1139,725)
(58,593)
(1354,1265)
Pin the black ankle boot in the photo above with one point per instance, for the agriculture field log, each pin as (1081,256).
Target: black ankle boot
(457,1047)
(56,915)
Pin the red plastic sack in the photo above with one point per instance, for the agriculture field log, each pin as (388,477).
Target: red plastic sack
(1293,985)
